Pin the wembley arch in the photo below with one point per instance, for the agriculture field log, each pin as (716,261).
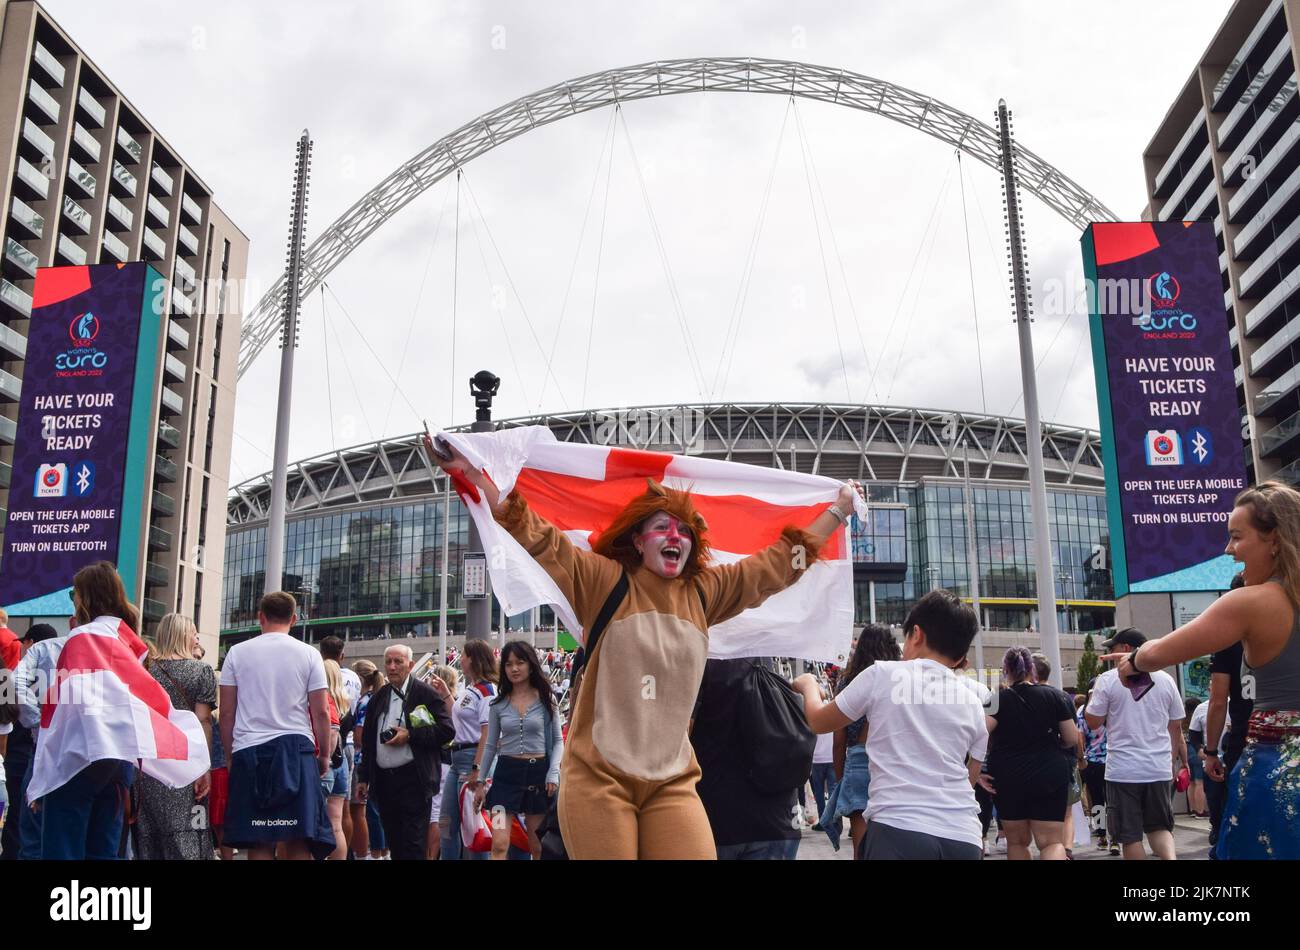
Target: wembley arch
(647,80)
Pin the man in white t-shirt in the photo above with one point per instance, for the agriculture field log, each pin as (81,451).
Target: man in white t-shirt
(1144,750)
(926,737)
(275,727)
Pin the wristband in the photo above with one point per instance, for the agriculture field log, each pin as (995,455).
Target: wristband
(1132,660)
(839,515)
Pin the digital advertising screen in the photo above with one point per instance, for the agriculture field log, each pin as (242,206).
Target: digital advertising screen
(85,432)
(1167,403)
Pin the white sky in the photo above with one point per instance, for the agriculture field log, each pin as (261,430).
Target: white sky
(230,85)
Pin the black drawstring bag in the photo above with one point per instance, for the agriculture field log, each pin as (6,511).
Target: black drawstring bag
(773,732)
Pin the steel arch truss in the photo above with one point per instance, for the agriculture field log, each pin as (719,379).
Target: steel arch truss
(671,77)
(871,443)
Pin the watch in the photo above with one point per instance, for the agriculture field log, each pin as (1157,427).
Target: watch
(1211,753)
(1132,659)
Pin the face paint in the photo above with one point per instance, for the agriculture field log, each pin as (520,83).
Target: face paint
(665,544)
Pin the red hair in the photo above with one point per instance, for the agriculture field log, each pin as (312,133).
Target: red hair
(616,541)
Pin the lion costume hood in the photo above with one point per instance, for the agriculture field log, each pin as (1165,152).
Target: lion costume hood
(616,541)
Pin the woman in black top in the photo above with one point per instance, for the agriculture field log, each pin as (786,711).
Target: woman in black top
(1030,778)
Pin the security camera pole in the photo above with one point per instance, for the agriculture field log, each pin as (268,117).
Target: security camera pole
(478,609)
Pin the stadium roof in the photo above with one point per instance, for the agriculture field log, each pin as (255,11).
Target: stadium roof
(870,443)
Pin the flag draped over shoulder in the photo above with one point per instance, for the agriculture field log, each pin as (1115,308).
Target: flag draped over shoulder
(581,488)
(103,704)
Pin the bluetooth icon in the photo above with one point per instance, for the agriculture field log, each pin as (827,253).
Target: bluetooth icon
(83,479)
(1201,445)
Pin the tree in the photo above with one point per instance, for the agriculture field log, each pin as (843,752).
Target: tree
(1089,665)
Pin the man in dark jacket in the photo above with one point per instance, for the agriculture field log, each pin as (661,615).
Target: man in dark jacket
(407,724)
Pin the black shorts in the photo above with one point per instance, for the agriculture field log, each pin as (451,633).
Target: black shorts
(1016,801)
(519,786)
(1137,808)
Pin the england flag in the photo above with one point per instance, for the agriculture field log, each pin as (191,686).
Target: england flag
(103,704)
(581,488)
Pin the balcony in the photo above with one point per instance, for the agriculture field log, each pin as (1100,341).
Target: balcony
(160,538)
(155,575)
(1279,436)
(49,64)
(172,403)
(6,474)
(116,246)
(178,338)
(154,610)
(120,212)
(164,470)
(158,210)
(154,245)
(91,108)
(185,276)
(1290,474)
(45,103)
(161,179)
(23,216)
(124,178)
(186,237)
(192,209)
(83,140)
(12,343)
(163,504)
(78,216)
(169,435)
(174,368)
(36,186)
(11,387)
(8,430)
(70,251)
(39,145)
(80,180)
(23,260)
(17,300)
(181,303)
(131,148)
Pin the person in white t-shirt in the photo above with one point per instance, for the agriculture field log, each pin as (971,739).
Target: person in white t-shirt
(926,737)
(478,664)
(275,725)
(1144,750)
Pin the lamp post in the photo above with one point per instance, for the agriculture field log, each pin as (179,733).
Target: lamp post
(483,386)
(305,593)
(1065,579)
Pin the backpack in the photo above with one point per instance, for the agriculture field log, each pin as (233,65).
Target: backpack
(773,735)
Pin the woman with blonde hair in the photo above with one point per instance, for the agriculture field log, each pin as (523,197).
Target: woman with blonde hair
(165,824)
(1264,615)
(434,845)
(364,832)
(335,781)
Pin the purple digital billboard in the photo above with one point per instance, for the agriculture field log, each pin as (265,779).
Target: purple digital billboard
(1171,437)
(85,418)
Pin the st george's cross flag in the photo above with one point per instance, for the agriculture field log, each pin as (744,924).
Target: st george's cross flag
(581,488)
(103,704)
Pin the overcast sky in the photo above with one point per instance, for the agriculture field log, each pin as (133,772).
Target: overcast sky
(861,292)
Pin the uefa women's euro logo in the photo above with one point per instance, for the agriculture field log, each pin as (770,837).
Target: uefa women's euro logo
(83,359)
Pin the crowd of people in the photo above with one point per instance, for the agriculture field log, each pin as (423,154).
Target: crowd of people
(513,754)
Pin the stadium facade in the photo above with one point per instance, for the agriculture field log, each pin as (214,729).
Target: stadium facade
(364,546)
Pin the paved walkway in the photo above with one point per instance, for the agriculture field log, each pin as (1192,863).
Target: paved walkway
(1190,840)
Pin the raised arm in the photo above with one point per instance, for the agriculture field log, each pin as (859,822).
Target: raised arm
(730,589)
(584,578)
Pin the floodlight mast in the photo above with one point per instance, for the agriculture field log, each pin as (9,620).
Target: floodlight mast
(274,579)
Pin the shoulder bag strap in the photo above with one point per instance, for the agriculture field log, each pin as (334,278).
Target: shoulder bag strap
(606,614)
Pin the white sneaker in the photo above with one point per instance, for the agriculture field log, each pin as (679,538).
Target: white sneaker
(1000,846)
